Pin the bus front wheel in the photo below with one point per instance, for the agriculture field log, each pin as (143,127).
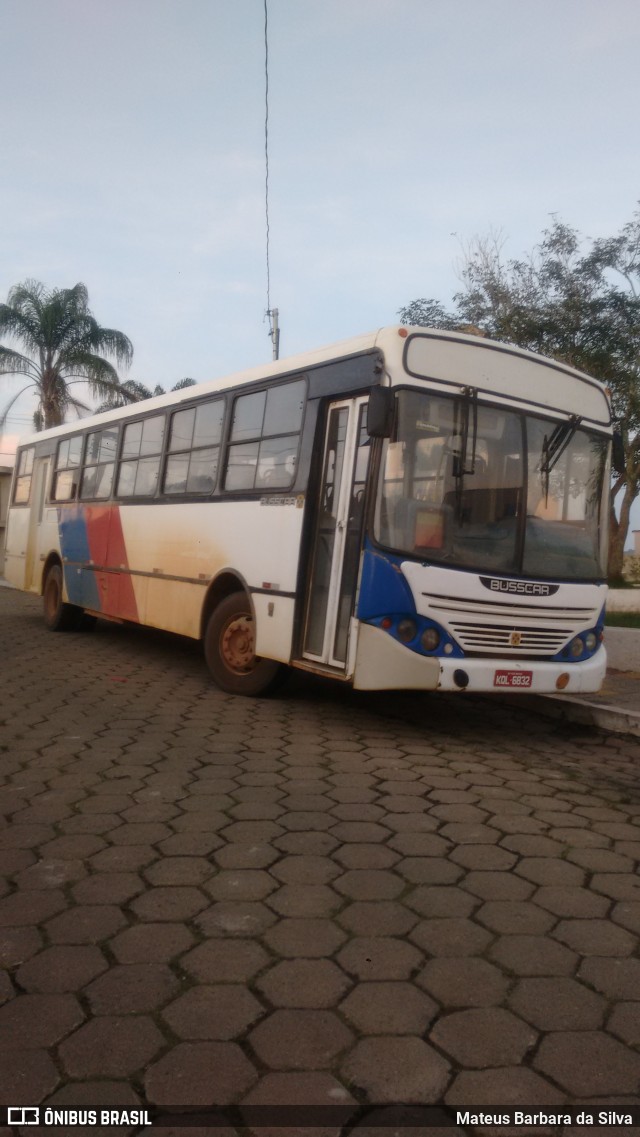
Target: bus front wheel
(229,648)
(58,616)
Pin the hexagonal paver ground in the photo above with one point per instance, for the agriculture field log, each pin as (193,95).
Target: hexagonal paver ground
(327,896)
(221,1012)
(589,1063)
(300,1040)
(38,1021)
(388,1008)
(465,982)
(312,983)
(199,1073)
(111,1047)
(397,1069)
(558,1004)
(483,1037)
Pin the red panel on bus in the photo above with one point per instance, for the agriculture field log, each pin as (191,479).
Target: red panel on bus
(97,518)
(121,582)
(108,553)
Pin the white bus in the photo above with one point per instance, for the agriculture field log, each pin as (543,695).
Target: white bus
(409,509)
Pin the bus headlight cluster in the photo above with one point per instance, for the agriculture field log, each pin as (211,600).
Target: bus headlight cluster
(406,630)
(583,645)
(430,639)
(420,634)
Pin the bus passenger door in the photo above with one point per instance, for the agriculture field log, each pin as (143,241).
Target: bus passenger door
(335,558)
(33,568)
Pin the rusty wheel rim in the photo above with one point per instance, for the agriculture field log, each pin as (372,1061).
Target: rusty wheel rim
(52,597)
(237,645)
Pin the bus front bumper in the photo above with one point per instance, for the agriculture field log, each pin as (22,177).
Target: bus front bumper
(507,675)
(382,663)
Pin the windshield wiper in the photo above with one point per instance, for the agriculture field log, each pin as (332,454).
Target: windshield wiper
(465,462)
(554,447)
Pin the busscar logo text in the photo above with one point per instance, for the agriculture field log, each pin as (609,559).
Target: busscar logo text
(518,587)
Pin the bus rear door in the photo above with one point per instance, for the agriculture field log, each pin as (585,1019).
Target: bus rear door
(33,568)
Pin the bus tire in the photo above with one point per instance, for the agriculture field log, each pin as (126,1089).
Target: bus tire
(58,616)
(229,650)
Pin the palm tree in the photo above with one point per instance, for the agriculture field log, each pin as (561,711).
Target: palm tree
(62,344)
(133,392)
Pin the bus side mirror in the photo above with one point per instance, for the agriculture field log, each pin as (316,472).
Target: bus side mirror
(618,456)
(380,411)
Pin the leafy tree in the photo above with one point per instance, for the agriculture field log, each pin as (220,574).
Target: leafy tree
(133,392)
(63,345)
(429,314)
(580,306)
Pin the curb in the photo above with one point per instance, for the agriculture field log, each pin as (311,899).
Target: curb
(609,718)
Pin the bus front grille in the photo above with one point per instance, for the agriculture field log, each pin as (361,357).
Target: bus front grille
(522,641)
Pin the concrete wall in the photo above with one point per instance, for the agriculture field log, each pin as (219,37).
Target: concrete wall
(623,600)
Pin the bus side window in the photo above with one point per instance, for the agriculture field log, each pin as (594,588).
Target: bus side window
(67,470)
(23,479)
(99,464)
(140,460)
(265,433)
(194,446)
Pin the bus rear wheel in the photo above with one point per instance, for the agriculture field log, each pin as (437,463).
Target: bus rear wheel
(229,648)
(58,616)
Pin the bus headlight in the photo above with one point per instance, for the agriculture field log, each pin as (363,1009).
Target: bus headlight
(577,647)
(591,641)
(430,639)
(406,630)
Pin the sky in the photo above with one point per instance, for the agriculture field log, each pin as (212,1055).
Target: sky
(133,144)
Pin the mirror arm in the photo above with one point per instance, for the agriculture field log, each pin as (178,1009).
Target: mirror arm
(618,456)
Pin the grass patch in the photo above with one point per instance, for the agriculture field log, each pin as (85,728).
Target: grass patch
(622,620)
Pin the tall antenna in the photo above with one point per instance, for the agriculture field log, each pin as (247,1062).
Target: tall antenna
(272,313)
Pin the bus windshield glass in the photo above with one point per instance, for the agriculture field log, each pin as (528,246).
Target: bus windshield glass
(481,487)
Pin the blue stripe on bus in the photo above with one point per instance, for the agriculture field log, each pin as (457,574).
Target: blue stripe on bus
(384,591)
(82,586)
(383,586)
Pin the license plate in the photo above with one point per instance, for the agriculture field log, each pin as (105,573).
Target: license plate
(513,679)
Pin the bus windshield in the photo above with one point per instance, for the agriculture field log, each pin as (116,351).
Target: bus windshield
(481,487)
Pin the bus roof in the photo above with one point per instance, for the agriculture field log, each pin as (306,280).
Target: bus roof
(392,341)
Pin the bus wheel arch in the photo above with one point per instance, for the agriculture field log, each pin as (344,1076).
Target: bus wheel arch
(229,639)
(224,585)
(52,559)
(58,615)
